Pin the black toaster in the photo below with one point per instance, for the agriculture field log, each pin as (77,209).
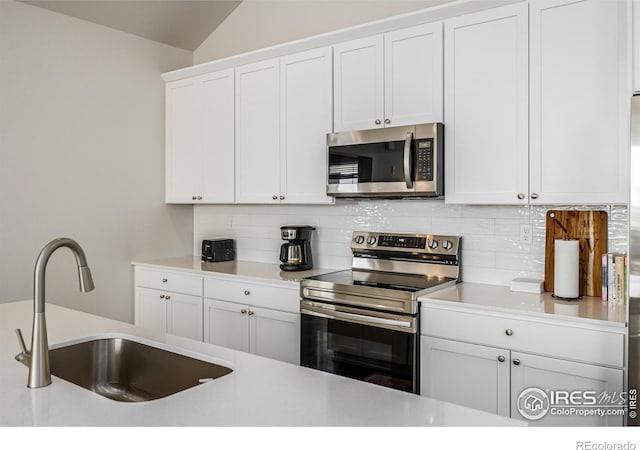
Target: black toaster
(217,250)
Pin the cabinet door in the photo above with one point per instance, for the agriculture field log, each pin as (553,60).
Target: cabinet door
(183,145)
(413,75)
(306,118)
(579,102)
(226,324)
(218,137)
(151,309)
(358,84)
(486,106)
(467,374)
(258,132)
(636,45)
(275,334)
(184,315)
(551,374)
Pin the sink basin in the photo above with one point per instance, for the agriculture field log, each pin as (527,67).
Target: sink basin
(128,371)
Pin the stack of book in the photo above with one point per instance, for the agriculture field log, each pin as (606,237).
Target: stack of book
(614,278)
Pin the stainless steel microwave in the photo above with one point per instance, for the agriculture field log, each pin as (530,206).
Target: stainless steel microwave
(387,162)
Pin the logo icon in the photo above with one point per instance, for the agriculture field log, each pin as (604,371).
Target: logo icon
(533,403)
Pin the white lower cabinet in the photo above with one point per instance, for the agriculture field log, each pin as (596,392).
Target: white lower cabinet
(458,366)
(265,332)
(169,312)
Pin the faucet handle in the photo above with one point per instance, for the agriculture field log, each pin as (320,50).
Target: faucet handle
(23,347)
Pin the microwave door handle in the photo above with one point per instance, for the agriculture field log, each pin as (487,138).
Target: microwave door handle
(407,160)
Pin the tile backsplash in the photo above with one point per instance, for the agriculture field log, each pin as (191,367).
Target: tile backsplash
(491,247)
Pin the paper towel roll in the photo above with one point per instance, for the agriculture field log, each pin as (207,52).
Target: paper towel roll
(566,275)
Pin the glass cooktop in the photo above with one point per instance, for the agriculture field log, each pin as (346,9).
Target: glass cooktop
(383,280)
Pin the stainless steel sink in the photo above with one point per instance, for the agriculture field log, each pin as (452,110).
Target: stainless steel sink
(129,371)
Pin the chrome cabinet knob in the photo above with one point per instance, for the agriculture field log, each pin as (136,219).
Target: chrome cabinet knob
(193,197)
(275,197)
(162,296)
(501,358)
(516,362)
(282,197)
(534,196)
(243,311)
(247,292)
(521,196)
(199,197)
(251,313)
(387,120)
(164,280)
(378,122)
(167,298)
(508,332)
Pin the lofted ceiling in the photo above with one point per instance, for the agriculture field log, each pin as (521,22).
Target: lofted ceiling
(180,23)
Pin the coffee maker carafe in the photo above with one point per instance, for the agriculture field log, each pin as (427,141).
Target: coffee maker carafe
(296,254)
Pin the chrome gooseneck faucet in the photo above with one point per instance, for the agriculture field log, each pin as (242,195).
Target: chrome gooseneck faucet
(39,371)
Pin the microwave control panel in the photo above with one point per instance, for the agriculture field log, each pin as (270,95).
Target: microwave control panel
(423,163)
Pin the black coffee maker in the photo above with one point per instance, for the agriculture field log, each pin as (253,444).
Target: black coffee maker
(296,254)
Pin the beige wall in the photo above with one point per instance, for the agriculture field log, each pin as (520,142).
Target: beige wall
(81,155)
(259,23)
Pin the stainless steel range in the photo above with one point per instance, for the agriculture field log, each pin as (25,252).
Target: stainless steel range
(363,323)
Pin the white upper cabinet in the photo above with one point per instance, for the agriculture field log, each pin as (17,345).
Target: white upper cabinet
(283,113)
(579,90)
(389,80)
(200,139)
(486,107)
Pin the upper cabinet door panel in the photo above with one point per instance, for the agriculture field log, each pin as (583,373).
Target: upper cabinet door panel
(358,94)
(413,75)
(257,132)
(579,101)
(486,107)
(183,145)
(218,136)
(306,118)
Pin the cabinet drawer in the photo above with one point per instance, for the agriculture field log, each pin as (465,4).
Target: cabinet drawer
(557,340)
(169,281)
(253,294)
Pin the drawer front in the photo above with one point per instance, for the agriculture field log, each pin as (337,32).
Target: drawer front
(253,294)
(169,281)
(556,340)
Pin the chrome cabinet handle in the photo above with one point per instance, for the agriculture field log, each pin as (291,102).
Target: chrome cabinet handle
(534,196)
(282,197)
(387,121)
(378,122)
(251,313)
(193,197)
(162,296)
(501,358)
(247,292)
(243,311)
(164,280)
(167,297)
(508,332)
(516,362)
(275,197)
(407,160)
(199,197)
(520,196)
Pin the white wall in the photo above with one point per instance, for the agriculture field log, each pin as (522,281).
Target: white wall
(491,248)
(259,24)
(82,155)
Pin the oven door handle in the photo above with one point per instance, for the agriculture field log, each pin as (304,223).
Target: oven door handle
(407,326)
(407,160)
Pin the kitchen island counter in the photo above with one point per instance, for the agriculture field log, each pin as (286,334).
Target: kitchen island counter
(259,391)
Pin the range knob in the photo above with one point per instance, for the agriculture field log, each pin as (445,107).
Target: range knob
(371,240)
(433,244)
(447,245)
(359,239)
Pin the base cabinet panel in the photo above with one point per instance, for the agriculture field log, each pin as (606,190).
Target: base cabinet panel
(225,324)
(169,312)
(275,334)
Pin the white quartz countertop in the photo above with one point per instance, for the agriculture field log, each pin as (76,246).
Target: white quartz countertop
(246,269)
(544,305)
(259,391)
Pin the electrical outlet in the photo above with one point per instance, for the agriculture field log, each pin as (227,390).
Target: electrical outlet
(526,234)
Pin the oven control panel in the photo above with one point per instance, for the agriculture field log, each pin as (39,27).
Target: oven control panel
(414,243)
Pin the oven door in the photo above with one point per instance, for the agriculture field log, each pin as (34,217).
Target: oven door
(376,347)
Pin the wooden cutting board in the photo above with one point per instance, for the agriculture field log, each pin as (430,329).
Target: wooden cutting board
(590,228)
